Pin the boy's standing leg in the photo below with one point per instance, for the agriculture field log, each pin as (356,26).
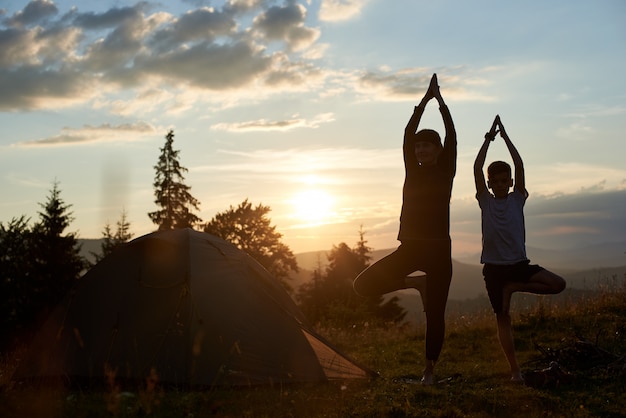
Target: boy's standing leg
(543,282)
(505,335)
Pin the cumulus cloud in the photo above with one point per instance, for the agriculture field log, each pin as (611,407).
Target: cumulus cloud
(339,10)
(110,19)
(286,23)
(201,25)
(134,60)
(34,12)
(82,57)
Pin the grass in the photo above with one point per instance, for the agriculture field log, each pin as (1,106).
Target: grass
(472,373)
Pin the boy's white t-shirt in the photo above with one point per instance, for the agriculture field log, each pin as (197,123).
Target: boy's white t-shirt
(503,228)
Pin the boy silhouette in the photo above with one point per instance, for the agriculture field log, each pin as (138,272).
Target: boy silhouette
(424,226)
(506,268)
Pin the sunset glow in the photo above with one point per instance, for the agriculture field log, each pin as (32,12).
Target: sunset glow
(313,206)
(301,106)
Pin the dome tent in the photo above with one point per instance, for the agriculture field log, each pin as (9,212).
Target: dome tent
(189,306)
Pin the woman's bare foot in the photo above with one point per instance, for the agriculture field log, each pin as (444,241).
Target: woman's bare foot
(429,371)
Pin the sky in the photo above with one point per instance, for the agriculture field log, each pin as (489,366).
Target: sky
(301,106)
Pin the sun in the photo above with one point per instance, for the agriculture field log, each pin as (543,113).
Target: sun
(313,206)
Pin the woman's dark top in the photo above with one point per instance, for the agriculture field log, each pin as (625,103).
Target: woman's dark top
(427,189)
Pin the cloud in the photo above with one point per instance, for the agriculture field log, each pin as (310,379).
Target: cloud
(579,217)
(109,19)
(85,57)
(588,121)
(210,66)
(132,61)
(278,125)
(457,83)
(201,25)
(93,134)
(574,177)
(32,87)
(578,130)
(34,12)
(340,10)
(286,24)
(560,221)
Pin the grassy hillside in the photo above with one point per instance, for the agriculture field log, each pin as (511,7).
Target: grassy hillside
(585,334)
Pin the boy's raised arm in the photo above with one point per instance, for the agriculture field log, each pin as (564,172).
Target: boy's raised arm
(520,182)
(479,163)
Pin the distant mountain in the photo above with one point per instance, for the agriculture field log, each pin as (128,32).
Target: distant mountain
(581,267)
(610,254)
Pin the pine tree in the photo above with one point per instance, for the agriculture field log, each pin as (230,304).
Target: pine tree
(171,193)
(110,240)
(249,229)
(16,277)
(330,298)
(56,257)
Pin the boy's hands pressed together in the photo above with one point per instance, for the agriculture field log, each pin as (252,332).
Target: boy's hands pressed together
(503,133)
(491,135)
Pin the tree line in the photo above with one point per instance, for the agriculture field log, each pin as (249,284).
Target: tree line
(40,263)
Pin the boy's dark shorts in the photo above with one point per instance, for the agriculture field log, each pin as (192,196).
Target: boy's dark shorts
(497,275)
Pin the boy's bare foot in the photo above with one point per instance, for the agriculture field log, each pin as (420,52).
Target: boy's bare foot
(517,378)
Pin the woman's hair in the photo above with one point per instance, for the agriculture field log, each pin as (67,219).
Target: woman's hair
(497,167)
(428,135)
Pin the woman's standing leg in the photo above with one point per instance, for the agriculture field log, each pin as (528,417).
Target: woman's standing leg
(439,276)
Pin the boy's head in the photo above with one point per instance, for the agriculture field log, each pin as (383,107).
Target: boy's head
(427,146)
(498,167)
(499,178)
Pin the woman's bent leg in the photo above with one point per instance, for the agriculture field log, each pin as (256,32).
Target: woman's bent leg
(386,275)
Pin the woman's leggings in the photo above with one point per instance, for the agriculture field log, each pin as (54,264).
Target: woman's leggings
(433,257)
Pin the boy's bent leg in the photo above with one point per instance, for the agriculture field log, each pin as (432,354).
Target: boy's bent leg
(549,282)
(543,282)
